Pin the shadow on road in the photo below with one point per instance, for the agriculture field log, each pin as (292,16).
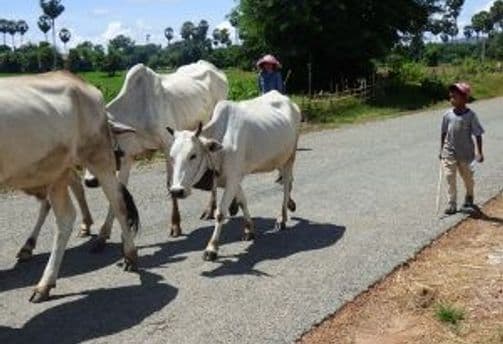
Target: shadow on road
(99,313)
(77,260)
(269,245)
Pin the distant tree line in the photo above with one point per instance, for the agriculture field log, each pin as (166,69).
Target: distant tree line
(121,52)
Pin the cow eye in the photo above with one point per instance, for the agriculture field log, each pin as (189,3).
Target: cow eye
(192,157)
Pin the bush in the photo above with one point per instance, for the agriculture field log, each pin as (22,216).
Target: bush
(433,87)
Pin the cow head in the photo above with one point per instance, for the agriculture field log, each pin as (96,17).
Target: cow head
(192,156)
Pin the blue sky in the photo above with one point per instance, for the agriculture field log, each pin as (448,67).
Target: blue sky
(100,20)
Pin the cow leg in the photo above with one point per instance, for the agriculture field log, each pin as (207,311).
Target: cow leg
(209,213)
(123,208)
(288,202)
(176,229)
(80,196)
(26,252)
(231,188)
(64,212)
(106,228)
(249,228)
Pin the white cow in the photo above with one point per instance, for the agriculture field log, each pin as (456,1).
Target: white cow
(149,102)
(254,136)
(26,252)
(49,124)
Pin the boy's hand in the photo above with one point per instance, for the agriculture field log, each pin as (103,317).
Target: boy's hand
(480,157)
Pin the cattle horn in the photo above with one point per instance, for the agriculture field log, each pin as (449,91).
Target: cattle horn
(170,131)
(199,129)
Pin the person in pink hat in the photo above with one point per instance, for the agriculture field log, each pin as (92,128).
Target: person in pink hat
(270,77)
(457,152)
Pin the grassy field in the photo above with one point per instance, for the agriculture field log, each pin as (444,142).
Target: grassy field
(389,101)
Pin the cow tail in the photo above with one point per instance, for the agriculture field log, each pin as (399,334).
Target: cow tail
(133,219)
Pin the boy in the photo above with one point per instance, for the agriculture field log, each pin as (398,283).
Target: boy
(269,77)
(457,151)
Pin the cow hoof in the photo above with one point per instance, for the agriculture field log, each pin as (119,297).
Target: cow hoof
(208,215)
(130,265)
(98,245)
(24,255)
(40,295)
(84,232)
(175,232)
(291,205)
(280,226)
(209,256)
(248,236)
(234,208)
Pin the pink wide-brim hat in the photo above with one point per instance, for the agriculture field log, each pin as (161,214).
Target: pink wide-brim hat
(462,87)
(269,59)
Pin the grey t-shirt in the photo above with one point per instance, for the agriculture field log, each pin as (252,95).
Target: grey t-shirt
(459,130)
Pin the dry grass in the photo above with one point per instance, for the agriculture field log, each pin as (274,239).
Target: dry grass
(452,292)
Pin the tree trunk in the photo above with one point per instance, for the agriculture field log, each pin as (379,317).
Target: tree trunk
(55,51)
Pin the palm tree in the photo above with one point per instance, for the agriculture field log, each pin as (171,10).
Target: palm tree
(216,37)
(468,32)
(44,24)
(225,37)
(12,30)
(22,28)
(169,34)
(53,9)
(4,23)
(187,31)
(64,36)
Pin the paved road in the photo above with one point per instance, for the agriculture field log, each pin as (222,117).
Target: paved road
(365,196)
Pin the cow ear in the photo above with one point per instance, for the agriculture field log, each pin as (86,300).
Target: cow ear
(213,145)
(120,128)
(170,131)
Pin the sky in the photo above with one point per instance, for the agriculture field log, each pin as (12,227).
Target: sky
(101,20)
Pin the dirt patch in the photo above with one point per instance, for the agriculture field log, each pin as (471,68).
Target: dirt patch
(452,292)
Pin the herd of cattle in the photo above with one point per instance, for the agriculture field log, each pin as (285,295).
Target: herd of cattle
(54,123)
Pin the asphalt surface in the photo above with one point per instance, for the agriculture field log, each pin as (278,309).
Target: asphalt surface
(366,203)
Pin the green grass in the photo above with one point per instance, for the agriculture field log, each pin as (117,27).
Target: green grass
(449,314)
(390,101)
(108,85)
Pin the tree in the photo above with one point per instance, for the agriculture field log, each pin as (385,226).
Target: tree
(22,28)
(4,24)
(201,31)
(65,35)
(225,37)
(53,9)
(169,34)
(44,24)
(468,32)
(496,14)
(482,23)
(12,30)
(113,62)
(187,30)
(335,39)
(453,10)
(122,44)
(216,36)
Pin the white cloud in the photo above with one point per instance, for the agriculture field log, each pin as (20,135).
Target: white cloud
(114,29)
(100,11)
